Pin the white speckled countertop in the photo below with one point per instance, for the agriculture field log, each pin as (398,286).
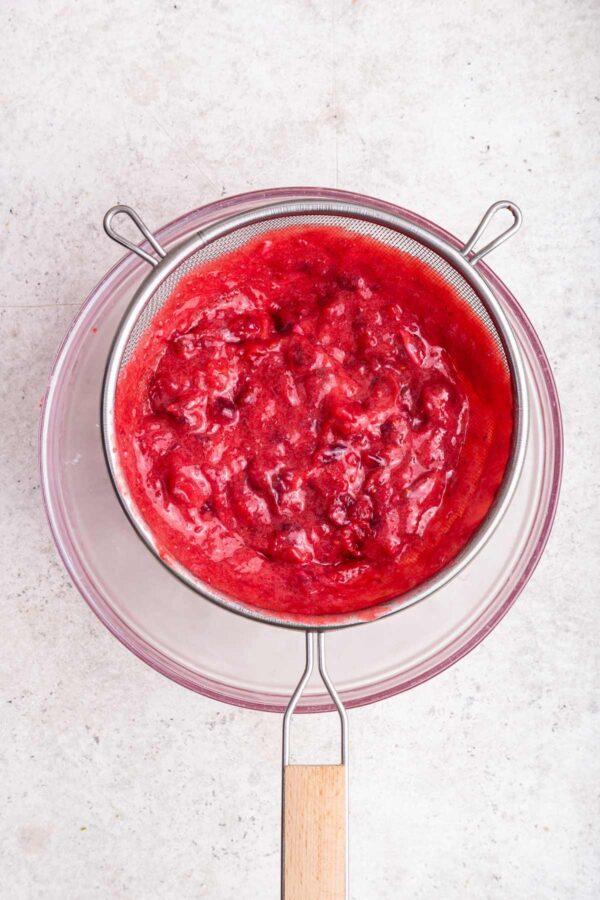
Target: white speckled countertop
(117,783)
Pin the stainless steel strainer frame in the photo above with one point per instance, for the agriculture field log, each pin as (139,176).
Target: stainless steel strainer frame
(462,263)
(461,266)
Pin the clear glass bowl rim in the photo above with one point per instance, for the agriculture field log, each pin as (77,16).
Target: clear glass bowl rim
(74,565)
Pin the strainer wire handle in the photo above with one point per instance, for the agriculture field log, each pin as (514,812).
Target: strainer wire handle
(141,226)
(314,856)
(503,236)
(319,637)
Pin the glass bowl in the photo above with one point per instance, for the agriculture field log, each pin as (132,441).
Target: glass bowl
(208,649)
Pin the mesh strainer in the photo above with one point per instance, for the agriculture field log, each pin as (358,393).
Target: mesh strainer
(314,861)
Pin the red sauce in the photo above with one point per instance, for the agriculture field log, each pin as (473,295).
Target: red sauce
(314,423)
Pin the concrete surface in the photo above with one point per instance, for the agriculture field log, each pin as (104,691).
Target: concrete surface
(119,784)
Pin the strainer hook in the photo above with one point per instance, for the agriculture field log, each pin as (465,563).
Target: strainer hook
(503,236)
(141,226)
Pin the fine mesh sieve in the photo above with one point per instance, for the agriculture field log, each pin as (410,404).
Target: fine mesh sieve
(311,790)
(451,266)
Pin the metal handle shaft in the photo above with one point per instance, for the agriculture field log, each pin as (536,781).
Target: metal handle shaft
(319,637)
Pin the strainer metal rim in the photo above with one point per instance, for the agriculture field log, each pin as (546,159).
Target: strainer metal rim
(460,260)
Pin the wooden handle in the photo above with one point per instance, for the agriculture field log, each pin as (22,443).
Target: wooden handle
(314,833)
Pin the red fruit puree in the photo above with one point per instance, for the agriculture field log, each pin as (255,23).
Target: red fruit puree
(314,423)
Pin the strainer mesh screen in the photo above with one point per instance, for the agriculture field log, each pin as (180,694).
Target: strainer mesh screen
(240,236)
